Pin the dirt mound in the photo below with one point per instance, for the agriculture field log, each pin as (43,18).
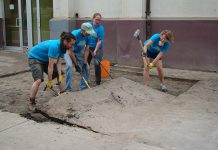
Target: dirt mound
(112,107)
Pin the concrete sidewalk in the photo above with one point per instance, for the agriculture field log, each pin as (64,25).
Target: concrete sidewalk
(22,134)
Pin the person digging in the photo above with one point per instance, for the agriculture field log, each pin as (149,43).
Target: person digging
(42,58)
(153,51)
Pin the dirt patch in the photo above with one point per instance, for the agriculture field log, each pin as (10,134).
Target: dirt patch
(175,86)
(122,107)
(113,105)
(15,90)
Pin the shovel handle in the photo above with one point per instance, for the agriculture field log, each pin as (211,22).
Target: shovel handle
(85,80)
(55,92)
(105,69)
(102,66)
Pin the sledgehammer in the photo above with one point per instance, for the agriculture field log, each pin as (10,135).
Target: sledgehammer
(137,36)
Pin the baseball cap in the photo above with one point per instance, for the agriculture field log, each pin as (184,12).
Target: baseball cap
(87,27)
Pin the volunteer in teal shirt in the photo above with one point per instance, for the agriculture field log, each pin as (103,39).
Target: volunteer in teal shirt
(42,58)
(154,49)
(97,46)
(46,49)
(78,55)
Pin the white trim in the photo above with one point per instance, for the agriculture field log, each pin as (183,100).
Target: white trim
(13,48)
(29,23)
(20,23)
(136,19)
(38,21)
(3,14)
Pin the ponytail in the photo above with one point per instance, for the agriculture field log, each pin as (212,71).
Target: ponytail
(66,36)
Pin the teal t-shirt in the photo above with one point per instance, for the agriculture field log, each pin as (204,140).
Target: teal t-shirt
(99,30)
(81,41)
(155,47)
(46,49)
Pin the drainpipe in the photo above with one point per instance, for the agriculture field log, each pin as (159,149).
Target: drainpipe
(148,19)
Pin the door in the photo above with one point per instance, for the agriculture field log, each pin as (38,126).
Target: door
(15,24)
(26,22)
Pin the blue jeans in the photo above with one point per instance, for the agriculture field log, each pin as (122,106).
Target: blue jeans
(85,71)
(69,71)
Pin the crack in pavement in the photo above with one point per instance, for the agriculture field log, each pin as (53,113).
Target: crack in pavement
(14,126)
(60,121)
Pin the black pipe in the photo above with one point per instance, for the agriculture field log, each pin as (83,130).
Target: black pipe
(148,20)
(148,8)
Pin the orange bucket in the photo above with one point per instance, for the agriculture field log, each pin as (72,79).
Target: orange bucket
(105,65)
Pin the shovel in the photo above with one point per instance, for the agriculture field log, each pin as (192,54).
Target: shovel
(54,91)
(102,66)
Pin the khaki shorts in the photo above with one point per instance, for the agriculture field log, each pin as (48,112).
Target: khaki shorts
(38,68)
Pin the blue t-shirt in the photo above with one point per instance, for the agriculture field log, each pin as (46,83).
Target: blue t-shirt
(99,30)
(155,47)
(46,49)
(81,41)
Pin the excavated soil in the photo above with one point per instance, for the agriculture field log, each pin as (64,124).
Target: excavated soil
(15,90)
(127,109)
(115,106)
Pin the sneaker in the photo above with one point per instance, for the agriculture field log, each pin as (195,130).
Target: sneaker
(163,88)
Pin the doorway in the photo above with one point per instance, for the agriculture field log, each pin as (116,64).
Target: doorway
(26,22)
(15,27)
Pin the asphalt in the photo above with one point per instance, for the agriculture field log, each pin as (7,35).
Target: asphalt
(20,133)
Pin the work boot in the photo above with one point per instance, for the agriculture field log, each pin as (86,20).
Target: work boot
(32,104)
(98,83)
(61,92)
(163,88)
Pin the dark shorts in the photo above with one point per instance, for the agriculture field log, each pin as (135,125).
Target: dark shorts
(38,67)
(99,56)
(152,55)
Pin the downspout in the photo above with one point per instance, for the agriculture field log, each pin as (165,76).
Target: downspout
(148,19)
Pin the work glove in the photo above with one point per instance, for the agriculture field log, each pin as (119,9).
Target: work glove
(150,65)
(49,84)
(84,66)
(78,68)
(60,79)
(144,54)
